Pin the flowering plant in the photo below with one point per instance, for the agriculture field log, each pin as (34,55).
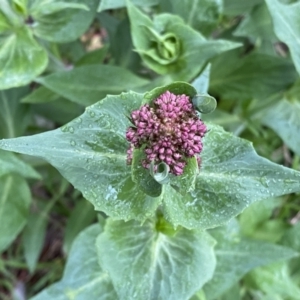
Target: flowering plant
(125,165)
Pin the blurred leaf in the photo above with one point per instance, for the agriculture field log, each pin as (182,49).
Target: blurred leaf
(237,7)
(150,264)
(14,116)
(253,76)
(41,95)
(257,24)
(60,111)
(81,216)
(168,46)
(15,200)
(10,163)
(113,4)
(87,84)
(274,281)
(34,235)
(61,25)
(202,15)
(83,278)
(231,177)
(283,118)
(287,26)
(93,57)
(21,58)
(236,256)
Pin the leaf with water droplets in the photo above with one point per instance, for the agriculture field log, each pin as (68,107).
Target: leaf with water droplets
(90,152)
(231,177)
(83,277)
(151,263)
(142,176)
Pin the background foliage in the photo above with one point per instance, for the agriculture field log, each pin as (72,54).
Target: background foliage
(57,60)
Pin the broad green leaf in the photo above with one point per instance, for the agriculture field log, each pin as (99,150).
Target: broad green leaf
(287,26)
(168,46)
(34,235)
(237,255)
(253,76)
(90,152)
(283,118)
(152,265)
(4,24)
(201,83)
(257,25)
(14,116)
(231,177)
(93,57)
(45,7)
(83,278)
(21,58)
(237,7)
(113,4)
(15,200)
(10,14)
(87,84)
(274,281)
(41,95)
(64,25)
(81,216)
(202,15)
(10,163)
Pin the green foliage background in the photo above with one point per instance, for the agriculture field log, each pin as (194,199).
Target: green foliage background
(71,72)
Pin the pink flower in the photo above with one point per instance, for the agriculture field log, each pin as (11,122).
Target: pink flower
(170,130)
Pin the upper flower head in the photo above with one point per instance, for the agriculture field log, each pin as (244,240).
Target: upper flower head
(169,130)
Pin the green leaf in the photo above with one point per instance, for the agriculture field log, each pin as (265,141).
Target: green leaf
(142,176)
(253,76)
(93,57)
(202,15)
(90,152)
(10,163)
(254,220)
(236,256)
(34,235)
(81,216)
(41,95)
(231,177)
(15,200)
(152,265)
(113,4)
(14,116)
(87,84)
(168,46)
(283,118)
(237,7)
(201,83)
(287,26)
(45,7)
(204,103)
(83,278)
(274,281)
(55,23)
(257,25)
(21,58)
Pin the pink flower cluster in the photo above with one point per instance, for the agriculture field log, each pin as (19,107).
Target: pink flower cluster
(170,130)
